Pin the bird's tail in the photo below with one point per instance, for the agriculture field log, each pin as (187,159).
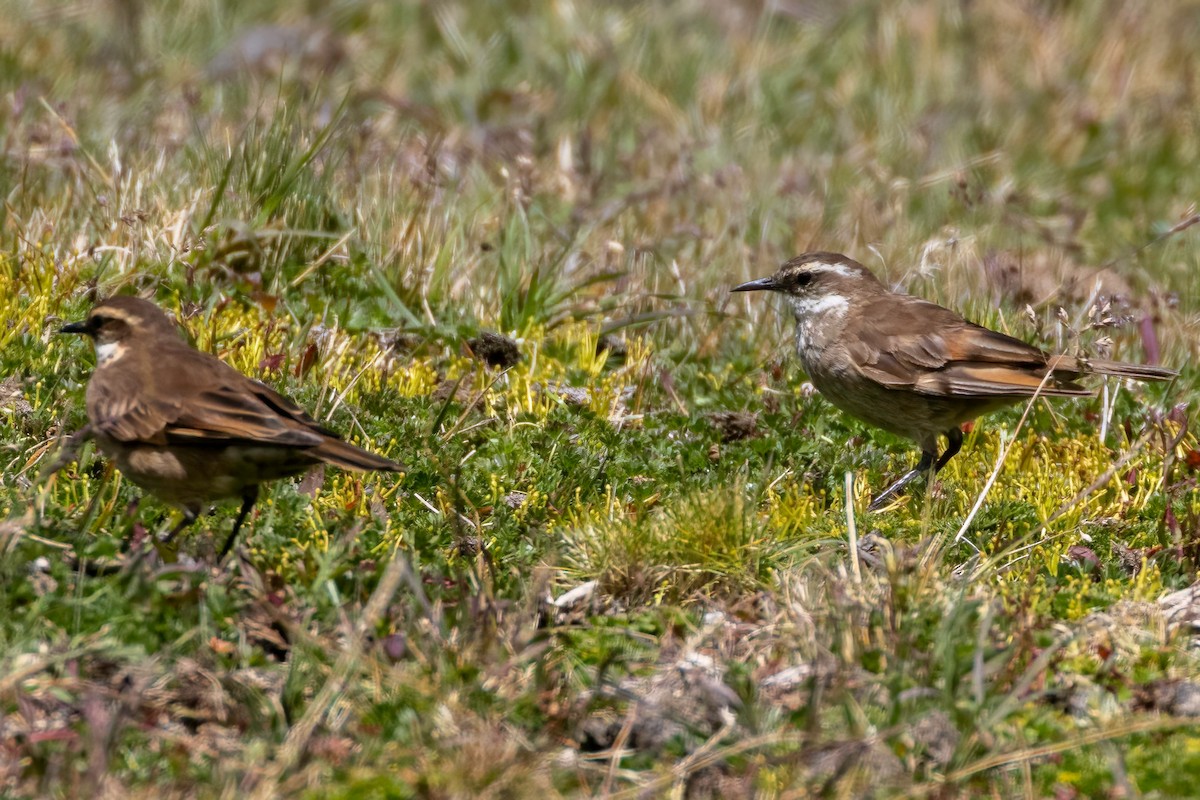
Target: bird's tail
(1140,372)
(347,456)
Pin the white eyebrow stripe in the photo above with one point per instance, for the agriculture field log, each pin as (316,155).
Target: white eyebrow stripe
(111,312)
(836,269)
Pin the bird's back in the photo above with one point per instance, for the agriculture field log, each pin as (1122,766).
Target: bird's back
(173,394)
(908,343)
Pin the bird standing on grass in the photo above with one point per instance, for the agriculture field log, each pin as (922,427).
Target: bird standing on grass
(912,367)
(188,428)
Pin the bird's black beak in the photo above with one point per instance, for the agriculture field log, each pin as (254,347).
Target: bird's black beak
(76,327)
(760,285)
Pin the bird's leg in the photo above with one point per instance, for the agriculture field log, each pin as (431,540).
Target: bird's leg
(927,459)
(190,515)
(167,550)
(248,499)
(954,440)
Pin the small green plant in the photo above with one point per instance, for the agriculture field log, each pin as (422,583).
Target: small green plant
(697,547)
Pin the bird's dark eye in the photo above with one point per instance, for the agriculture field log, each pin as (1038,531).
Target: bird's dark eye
(802,280)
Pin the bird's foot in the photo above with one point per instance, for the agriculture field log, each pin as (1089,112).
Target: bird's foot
(885,497)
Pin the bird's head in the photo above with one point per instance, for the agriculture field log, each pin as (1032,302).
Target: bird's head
(816,282)
(114,323)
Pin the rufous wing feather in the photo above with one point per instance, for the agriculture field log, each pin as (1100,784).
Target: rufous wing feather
(225,414)
(992,380)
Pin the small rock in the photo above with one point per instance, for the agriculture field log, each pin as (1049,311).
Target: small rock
(1182,607)
(398,341)
(495,350)
(469,546)
(648,732)
(395,646)
(1129,559)
(1176,697)
(459,389)
(572,395)
(827,762)
(734,425)
(12,398)
(1083,558)
(1187,700)
(616,346)
(788,678)
(718,782)
(937,737)
(312,481)
(577,596)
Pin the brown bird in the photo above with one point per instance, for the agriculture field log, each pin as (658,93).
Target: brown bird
(187,427)
(912,367)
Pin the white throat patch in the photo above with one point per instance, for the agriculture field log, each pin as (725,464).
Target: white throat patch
(108,352)
(817,319)
(809,307)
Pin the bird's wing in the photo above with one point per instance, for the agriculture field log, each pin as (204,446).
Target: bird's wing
(289,409)
(237,412)
(908,343)
(253,412)
(129,418)
(198,398)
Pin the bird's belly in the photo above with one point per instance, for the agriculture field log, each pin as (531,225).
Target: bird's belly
(190,475)
(900,411)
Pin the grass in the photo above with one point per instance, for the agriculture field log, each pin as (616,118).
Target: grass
(337,202)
